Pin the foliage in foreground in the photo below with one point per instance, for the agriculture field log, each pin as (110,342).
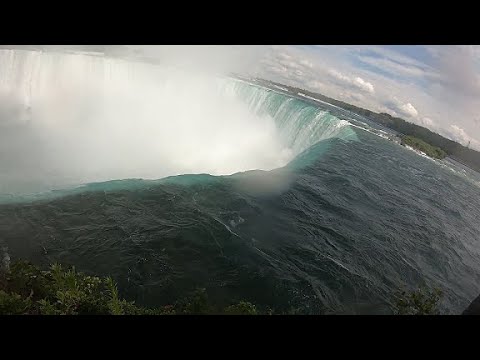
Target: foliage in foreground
(418,302)
(26,290)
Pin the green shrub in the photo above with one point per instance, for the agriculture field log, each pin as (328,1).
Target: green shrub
(421,145)
(25,289)
(242,308)
(418,302)
(14,304)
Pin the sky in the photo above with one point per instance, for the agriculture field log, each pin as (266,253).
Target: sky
(434,86)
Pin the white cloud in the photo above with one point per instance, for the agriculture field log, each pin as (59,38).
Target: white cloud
(306,63)
(339,76)
(396,107)
(459,134)
(357,82)
(365,85)
(425,121)
(409,109)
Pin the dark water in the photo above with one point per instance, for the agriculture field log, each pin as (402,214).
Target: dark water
(339,230)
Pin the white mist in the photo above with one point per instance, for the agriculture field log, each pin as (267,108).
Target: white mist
(68,119)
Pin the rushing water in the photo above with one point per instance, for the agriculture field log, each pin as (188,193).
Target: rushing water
(332,217)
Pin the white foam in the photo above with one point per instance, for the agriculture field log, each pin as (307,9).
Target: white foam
(281,88)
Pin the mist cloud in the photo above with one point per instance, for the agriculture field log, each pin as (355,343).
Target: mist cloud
(71,119)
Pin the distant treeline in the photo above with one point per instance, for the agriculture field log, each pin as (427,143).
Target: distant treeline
(454,150)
